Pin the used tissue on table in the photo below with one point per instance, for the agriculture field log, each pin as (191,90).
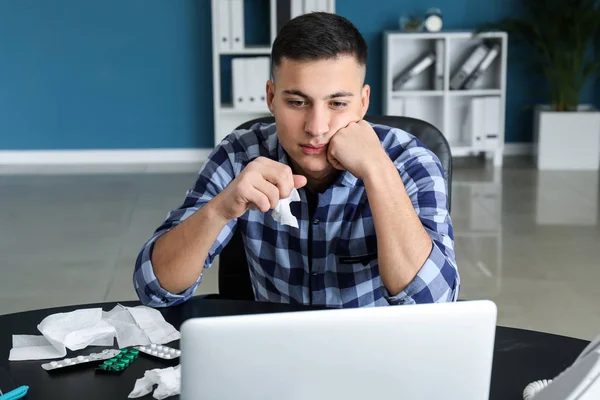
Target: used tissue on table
(282,213)
(78,329)
(167,379)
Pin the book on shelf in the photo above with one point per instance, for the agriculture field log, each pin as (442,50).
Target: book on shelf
(414,69)
(491,55)
(468,66)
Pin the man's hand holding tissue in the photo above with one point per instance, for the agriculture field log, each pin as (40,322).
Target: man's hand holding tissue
(261,184)
(179,255)
(403,245)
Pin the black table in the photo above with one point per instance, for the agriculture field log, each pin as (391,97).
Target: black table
(520,356)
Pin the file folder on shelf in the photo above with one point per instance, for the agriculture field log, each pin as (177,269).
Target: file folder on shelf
(490,56)
(237,24)
(413,70)
(224,25)
(238,83)
(468,66)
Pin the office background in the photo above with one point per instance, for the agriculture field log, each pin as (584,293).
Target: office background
(136,74)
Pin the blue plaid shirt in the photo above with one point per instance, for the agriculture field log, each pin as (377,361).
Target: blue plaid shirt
(331,259)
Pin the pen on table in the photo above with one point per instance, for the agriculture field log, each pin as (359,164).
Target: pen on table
(14,394)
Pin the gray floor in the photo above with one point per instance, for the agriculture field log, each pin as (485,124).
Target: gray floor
(527,240)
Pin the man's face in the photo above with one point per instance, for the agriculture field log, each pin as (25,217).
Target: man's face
(311,101)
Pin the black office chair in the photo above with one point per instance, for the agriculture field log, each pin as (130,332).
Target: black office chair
(234,274)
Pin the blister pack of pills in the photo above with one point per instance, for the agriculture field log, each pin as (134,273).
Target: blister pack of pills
(120,362)
(76,361)
(159,351)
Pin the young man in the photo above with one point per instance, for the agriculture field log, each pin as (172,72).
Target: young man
(374,227)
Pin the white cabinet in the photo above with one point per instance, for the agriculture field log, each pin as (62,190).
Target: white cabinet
(473,119)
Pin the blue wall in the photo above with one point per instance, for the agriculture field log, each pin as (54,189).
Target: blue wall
(137,73)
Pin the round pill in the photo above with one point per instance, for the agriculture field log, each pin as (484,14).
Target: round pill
(54,363)
(172,351)
(67,360)
(167,356)
(153,346)
(178,353)
(80,358)
(121,364)
(161,355)
(135,352)
(154,352)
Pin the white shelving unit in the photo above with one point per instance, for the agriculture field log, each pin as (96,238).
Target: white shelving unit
(226,116)
(447,109)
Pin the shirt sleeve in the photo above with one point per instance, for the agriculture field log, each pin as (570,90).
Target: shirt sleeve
(438,279)
(214,176)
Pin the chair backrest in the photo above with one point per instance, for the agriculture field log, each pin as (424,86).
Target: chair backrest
(234,274)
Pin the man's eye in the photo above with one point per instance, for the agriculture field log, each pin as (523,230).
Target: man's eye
(338,104)
(296,103)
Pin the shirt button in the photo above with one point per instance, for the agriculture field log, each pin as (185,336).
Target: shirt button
(316,221)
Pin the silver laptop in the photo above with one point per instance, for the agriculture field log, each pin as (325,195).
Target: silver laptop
(429,351)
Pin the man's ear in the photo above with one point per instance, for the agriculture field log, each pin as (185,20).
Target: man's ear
(270,95)
(364,99)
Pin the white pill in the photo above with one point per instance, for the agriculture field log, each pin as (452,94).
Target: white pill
(80,358)
(153,346)
(167,356)
(173,351)
(67,360)
(54,363)
(154,352)
(161,355)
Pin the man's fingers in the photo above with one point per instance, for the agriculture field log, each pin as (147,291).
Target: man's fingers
(269,190)
(299,181)
(278,174)
(332,160)
(259,199)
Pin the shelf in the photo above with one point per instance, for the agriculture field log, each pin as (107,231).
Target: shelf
(261,50)
(228,109)
(420,93)
(476,92)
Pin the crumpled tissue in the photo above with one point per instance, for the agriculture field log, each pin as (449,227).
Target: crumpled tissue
(282,213)
(167,379)
(131,326)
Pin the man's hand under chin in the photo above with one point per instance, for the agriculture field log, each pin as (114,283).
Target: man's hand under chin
(357,148)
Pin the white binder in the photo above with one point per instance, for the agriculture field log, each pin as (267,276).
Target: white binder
(491,130)
(237,24)
(224,25)
(468,66)
(438,83)
(296,8)
(238,83)
(310,6)
(264,68)
(256,76)
(476,123)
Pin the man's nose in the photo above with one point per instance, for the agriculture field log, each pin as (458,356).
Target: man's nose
(317,123)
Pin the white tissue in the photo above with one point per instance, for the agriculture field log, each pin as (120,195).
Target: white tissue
(78,329)
(282,213)
(167,379)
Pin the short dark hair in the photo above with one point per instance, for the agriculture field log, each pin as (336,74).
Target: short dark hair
(318,36)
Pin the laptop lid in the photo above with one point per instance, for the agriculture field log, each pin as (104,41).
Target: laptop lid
(428,351)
